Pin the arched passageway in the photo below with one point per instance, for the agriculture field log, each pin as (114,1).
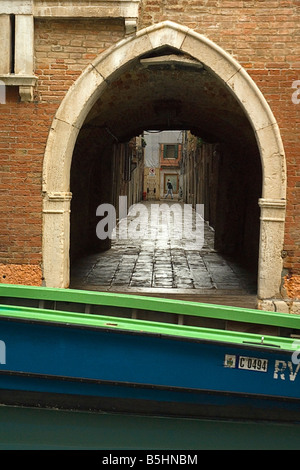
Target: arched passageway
(166,77)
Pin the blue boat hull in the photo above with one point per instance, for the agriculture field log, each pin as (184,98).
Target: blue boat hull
(75,367)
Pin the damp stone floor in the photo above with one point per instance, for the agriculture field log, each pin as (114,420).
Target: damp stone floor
(165,249)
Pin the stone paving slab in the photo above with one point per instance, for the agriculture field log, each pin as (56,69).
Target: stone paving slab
(160,262)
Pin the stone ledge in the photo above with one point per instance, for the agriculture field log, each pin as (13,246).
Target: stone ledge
(127,9)
(71,8)
(279,305)
(26,84)
(87,9)
(17,7)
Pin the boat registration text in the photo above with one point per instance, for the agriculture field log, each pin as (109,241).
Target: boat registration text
(246,363)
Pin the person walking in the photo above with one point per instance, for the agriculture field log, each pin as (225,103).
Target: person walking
(170,189)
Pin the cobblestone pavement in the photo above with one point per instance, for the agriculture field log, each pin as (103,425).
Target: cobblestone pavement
(166,258)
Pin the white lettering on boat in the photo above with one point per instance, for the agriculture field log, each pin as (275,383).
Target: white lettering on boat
(283,368)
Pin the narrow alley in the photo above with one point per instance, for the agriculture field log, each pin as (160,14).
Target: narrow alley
(167,255)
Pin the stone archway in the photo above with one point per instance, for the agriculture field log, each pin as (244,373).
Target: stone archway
(87,90)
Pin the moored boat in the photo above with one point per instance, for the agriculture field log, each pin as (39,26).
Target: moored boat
(79,350)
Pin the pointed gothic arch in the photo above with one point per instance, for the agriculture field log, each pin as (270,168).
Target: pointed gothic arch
(88,88)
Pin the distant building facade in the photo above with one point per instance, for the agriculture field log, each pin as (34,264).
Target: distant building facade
(163,153)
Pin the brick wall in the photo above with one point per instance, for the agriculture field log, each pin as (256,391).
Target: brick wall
(24,129)
(64,48)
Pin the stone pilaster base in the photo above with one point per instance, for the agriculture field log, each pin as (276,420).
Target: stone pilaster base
(279,305)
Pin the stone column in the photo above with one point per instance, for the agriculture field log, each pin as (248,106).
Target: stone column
(24,45)
(56,239)
(24,52)
(271,239)
(5,41)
